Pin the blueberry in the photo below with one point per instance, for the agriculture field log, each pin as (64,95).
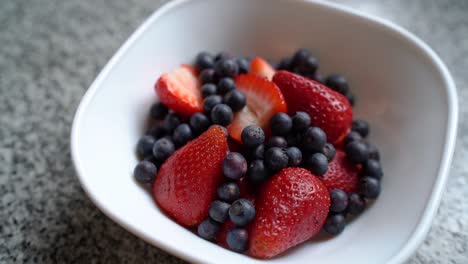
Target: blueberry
(314,139)
(256,172)
(235,99)
(299,57)
(145,171)
(241,212)
(258,152)
(244,65)
(145,145)
(208,229)
(293,139)
(280,124)
(234,165)
(209,89)
(204,60)
(295,156)
(317,163)
(221,114)
(208,76)
(199,123)
(300,121)
(372,168)
(351,137)
(210,102)
(225,85)
(276,141)
(329,151)
(357,152)
(373,151)
(356,204)
(338,83)
(351,98)
(182,134)
(228,192)
(237,239)
(171,122)
(334,224)
(360,126)
(284,64)
(227,68)
(157,130)
(370,187)
(219,211)
(158,111)
(223,55)
(252,136)
(309,66)
(163,148)
(339,200)
(276,159)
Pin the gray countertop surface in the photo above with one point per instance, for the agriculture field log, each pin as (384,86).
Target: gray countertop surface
(51,50)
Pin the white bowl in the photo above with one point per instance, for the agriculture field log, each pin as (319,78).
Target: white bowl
(403,90)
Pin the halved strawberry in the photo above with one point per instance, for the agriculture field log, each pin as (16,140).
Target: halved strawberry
(264,99)
(180,90)
(262,68)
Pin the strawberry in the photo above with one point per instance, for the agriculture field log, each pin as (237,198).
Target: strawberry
(341,174)
(264,99)
(222,234)
(328,109)
(187,181)
(291,208)
(180,90)
(262,68)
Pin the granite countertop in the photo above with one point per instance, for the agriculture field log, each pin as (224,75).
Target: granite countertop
(51,50)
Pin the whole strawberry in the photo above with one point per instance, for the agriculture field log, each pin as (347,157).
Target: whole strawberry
(341,174)
(291,208)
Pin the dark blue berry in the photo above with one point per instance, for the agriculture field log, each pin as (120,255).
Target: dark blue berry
(370,187)
(223,55)
(300,121)
(204,60)
(235,99)
(314,139)
(163,148)
(244,65)
(309,66)
(228,192)
(241,212)
(252,136)
(335,224)
(284,64)
(338,200)
(145,145)
(299,57)
(258,152)
(208,76)
(351,98)
(357,152)
(209,89)
(157,130)
(293,139)
(226,85)
(276,159)
(210,102)
(222,114)
(360,126)
(338,83)
(158,111)
(329,151)
(351,137)
(234,165)
(373,151)
(145,171)
(372,168)
(227,68)
(356,204)
(208,229)
(182,134)
(219,211)
(199,123)
(280,124)
(256,172)
(317,163)
(277,141)
(237,239)
(294,155)
(171,122)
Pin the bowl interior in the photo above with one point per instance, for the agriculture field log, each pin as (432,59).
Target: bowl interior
(399,91)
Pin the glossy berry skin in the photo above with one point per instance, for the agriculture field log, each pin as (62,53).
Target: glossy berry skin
(369,187)
(300,57)
(226,85)
(338,83)
(221,114)
(252,136)
(258,152)
(372,169)
(235,99)
(314,139)
(158,111)
(276,159)
(357,152)
(339,201)
(300,121)
(241,212)
(145,172)
(223,55)
(145,146)
(209,89)
(257,173)
(317,163)
(280,124)
(279,142)
(182,134)
(171,121)
(199,123)
(351,137)
(204,60)
(291,208)
(328,109)
(244,65)
(186,183)
(210,102)
(237,239)
(356,204)
(208,229)
(335,224)
(284,64)
(309,66)
(219,211)
(295,156)
(329,151)
(157,130)
(207,76)
(341,174)
(360,126)
(162,149)
(228,192)
(373,151)
(227,68)
(234,165)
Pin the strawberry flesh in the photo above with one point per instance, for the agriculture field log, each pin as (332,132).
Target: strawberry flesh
(262,68)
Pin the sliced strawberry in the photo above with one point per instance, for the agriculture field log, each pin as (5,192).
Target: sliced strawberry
(187,181)
(341,174)
(262,68)
(264,99)
(180,90)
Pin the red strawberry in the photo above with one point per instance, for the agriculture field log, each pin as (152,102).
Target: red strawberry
(180,90)
(262,68)
(291,208)
(187,181)
(222,234)
(328,109)
(264,99)
(341,174)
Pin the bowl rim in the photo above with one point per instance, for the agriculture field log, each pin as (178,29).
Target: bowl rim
(424,224)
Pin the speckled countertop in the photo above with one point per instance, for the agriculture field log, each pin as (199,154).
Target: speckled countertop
(51,50)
